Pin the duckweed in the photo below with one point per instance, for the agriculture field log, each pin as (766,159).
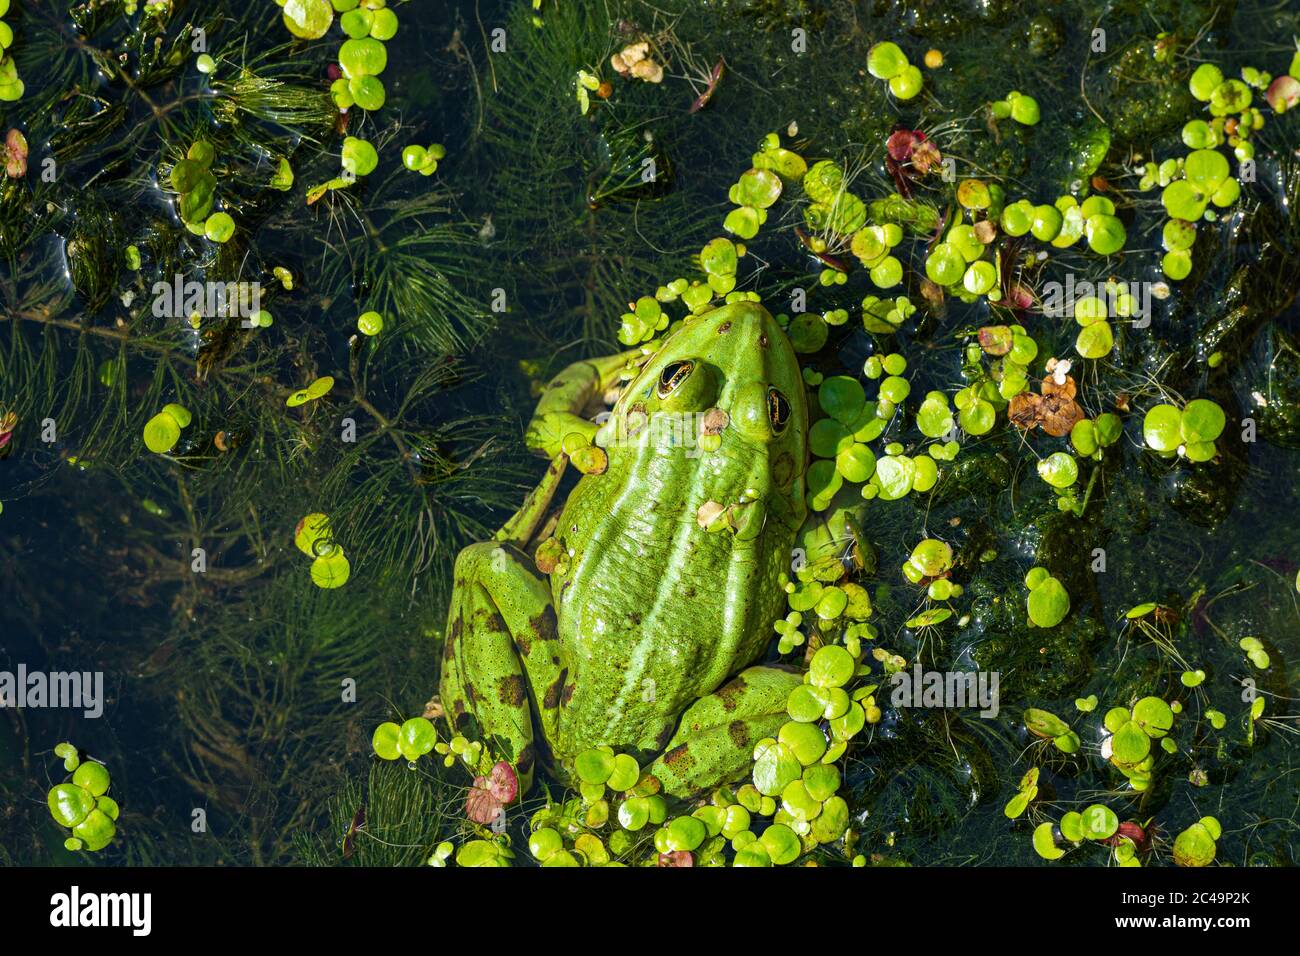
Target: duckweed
(81,804)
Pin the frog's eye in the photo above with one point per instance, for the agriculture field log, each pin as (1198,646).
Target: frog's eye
(673,374)
(778,410)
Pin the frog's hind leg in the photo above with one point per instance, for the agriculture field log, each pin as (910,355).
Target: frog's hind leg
(501,659)
(715,740)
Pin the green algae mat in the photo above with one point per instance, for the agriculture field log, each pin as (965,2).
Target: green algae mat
(728,433)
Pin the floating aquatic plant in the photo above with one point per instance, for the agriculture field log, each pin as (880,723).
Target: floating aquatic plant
(887,61)
(1189,432)
(11,85)
(82,803)
(1048,600)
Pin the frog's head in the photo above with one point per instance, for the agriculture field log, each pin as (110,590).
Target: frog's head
(731,373)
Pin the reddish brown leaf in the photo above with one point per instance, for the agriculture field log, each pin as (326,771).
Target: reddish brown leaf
(676,858)
(900,144)
(925,157)
(1058,414)
(715,75)
(1023,410)
(14,153)
(1020,297)
(480,805)
(1066,388)
(503,784)
(996,339)
(901,181)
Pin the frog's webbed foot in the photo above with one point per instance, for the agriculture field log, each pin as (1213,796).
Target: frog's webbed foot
(501,661)
(714,743)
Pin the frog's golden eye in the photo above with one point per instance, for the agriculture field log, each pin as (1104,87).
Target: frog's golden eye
(673,374)
(778,410)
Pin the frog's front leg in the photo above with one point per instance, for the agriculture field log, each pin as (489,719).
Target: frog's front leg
(501,652)
(714,743)
(560,410)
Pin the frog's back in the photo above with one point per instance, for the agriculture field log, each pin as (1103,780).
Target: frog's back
(668,609)
(653,609)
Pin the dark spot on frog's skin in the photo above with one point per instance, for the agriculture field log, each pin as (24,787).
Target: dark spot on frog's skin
(679,758)
(731,693)
(527,757)
(511,690)
(568,694)
(463,719)
(543,626)
(470,693)
(551,700)
(762,341)
(724,328)
(739,732)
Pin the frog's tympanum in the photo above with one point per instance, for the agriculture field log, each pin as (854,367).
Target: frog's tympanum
(660,581)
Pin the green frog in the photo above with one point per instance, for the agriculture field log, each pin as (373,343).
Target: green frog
(661,569)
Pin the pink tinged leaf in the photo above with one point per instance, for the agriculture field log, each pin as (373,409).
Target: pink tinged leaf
(1132,831)
(925,156)
(15,154)
(676,858)
(900,145)
(503,784)
(480,805)
(1021,297)
(1283,93)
